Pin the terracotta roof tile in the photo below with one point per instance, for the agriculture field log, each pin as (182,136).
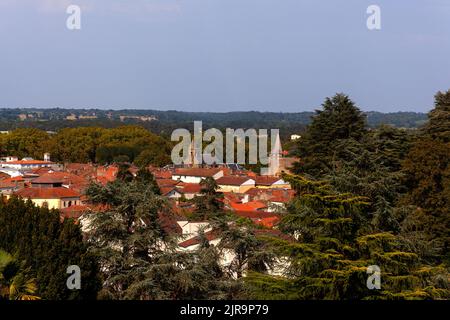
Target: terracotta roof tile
(12,182)
(266,180)
(197,172)
(47,193)
(267,219)
(210,235)
(167,190)
(59,177)
(249,206)
(29,162)
(232,180)
(190,188)
(167,182)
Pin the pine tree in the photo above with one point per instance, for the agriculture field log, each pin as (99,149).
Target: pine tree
(426,172)
(145,177)
(339,120)
(139,256)
(438,126)
(209,203)
(336,243)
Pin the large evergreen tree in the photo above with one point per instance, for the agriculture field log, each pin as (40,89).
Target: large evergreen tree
(339,120)
(336,243)
(138,254)
(438,126)
(426,172)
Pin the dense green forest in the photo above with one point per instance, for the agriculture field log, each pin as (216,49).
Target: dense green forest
(364,197)
(35,251)
(89,144)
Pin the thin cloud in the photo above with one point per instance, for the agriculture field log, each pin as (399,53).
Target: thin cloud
(145,6)
(111,6)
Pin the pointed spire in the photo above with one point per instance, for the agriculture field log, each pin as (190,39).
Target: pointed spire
(275,155)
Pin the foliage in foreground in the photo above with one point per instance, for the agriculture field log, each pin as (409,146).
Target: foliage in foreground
(43,248)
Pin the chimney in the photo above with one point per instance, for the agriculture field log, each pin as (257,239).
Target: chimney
(47,156)
(245,199)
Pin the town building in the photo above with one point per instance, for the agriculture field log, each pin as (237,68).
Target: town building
(53,198)
(196,175)
(236,184)
(266,182)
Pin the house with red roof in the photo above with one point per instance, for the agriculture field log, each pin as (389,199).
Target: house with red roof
(105,174)
(167,183)
(196,175)
(53,179)
(262,218)
(266,182)
(248,206)
(84,170)
(192,243)
(26,164)
(171,192)
(189,190)
(53,198)
(275,198)
(73,212)
(10,185)
(236,184)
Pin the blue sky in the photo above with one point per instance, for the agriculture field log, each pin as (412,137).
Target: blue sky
(223,55)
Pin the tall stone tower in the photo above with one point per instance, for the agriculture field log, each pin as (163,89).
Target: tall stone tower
(274,158)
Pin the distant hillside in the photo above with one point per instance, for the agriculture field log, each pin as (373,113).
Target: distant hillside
(164,122)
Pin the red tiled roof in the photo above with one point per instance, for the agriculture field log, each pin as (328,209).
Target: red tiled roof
(253,191)
(274,195)
(76,208)
(256,214)
(266,180)
(18,178)
(30,162)
(267,219)
(268,222)
(167,190)
(210,235)
(232,180)
(73,212)
(161,174)
(279,199)
(102,180)
(74,181)
(231,197)
(190,188)
(11,182)
(169,223)
(40,171)
(81,169)
(249,206)
(47,193)
(197,172)
(108,173)
(53,177)
(167,182)
(79,166)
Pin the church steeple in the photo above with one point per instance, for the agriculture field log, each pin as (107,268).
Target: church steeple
(193,155)
(275,155)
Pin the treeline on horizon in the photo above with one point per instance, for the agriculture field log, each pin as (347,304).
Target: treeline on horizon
(167,121)
(363,198)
